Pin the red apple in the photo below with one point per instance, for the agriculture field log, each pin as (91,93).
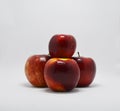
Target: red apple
(87,70)
(62,46)
(34,69)
(61,74)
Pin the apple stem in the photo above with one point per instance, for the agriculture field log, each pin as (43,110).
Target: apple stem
(78,54)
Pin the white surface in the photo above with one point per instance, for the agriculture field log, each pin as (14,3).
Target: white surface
(26,27)
(17,94)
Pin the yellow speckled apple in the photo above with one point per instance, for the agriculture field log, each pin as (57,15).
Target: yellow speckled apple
(34,69)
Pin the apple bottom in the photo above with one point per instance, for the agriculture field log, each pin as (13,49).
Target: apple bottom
(54,85)
(60,87)
(61,75)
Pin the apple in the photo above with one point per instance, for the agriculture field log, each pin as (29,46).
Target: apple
(62,46)
(87,70)
(61,74)
(34,69)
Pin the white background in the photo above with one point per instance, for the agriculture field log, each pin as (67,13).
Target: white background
(26,27)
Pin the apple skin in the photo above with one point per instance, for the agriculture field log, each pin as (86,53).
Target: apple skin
(61,74)
(62,46)
(34,70)
(87,70)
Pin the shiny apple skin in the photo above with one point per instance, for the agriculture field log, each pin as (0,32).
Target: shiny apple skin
(62,46)
(61,75)
(87,70)
(34,70)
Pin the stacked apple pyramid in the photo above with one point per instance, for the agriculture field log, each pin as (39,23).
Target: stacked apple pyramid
(59,70)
